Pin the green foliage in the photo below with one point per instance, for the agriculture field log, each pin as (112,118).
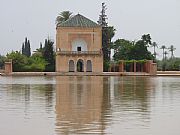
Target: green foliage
(22,63)
(2,60)
(169,64)
(137,61)
(140,51)
(146,38)
(172,49)
(154,45)
(103,17)
(36,63)
(122,49)
(26,49)
(48,55)
(108,33)
(131,50)
(42,60)
(63,16)
(106,65)
(19,61)
(163,47)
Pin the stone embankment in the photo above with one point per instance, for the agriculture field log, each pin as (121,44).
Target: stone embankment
(159,73)
(77,74)
(168,73)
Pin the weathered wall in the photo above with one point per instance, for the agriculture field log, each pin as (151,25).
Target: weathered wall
(62,63)
(65,37)
(8,67)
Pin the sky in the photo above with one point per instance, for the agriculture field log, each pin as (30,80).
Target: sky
(35,19)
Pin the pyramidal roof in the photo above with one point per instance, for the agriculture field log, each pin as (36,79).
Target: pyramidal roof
(78,21)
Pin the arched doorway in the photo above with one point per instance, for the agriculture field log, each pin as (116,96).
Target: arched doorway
(89,66)
(80,66)
(71,66)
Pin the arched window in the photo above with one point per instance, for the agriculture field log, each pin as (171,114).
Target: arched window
(71,66)
(89,66)
(80,66)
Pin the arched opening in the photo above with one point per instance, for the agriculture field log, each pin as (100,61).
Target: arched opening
(89,66)
(80,66)
(79,45)
(71,66)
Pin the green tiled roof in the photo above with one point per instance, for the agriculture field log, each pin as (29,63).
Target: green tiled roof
(78,21)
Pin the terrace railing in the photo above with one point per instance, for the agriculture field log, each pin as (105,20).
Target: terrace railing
(79,52)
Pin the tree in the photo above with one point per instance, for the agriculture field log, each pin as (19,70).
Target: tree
(40,49)
(2,60)
(163,47)
(36,63)
(172,49)
(48,55)
(105,41)
(122,49)
(111,33)
(140,51)
(26,49)
(131,50)
(18,60)
(147,39)
(165,55)
(154,45)
(23,49)
(63,16)
(108,33)
(169,64)
(103,17)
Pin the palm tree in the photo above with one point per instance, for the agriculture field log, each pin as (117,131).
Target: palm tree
(147,39)
(165,54)
(163,47)
(172,49)
(154,45)
(63,16)
(155,54)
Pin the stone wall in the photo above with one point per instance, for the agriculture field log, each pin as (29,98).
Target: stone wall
(8,67)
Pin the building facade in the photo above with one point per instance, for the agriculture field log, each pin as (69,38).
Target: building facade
(79,46)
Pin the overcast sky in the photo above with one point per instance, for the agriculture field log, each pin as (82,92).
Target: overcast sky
(35,19)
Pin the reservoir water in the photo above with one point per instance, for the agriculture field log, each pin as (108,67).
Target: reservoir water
(89,105)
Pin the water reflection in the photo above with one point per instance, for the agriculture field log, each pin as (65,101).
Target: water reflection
(78,104)
(26,105)
(31,93)
(91,104)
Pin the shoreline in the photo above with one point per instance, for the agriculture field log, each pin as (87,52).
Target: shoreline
(159,73)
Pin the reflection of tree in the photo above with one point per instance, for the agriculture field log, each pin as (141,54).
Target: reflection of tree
(78,104)
(132,94)
(31,94)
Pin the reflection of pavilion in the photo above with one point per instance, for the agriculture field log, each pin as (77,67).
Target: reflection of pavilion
(88,104)
(78,104)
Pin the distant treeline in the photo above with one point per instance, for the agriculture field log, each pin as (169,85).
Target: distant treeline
(43,59)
